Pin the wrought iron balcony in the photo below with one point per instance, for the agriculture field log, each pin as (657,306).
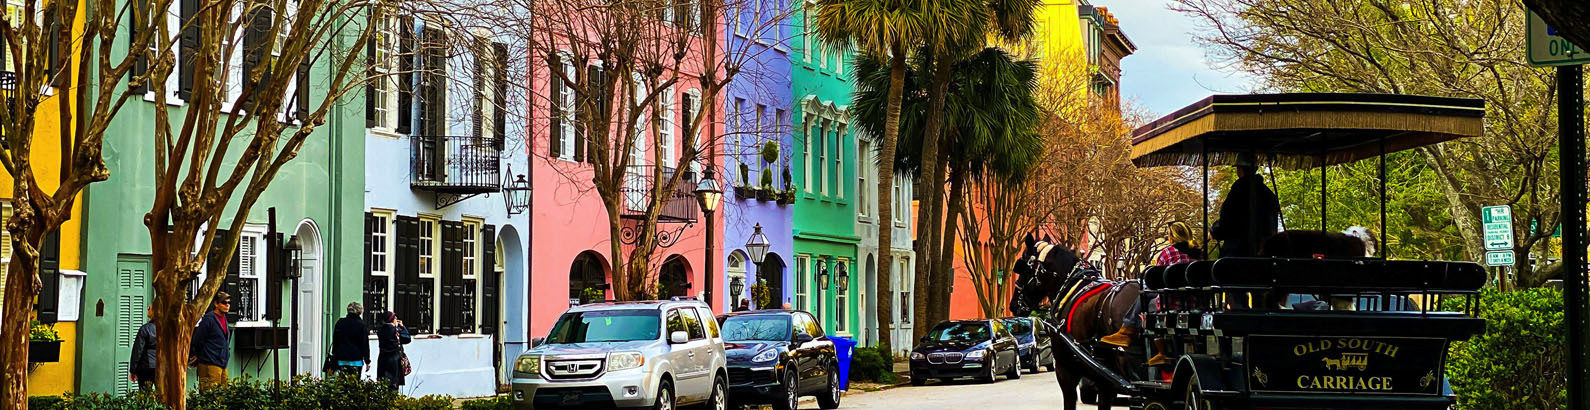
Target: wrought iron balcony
(679,205)
(454,168)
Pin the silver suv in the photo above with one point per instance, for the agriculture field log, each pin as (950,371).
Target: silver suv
(653,354)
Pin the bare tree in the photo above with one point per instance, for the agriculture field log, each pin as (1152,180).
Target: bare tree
(622,60)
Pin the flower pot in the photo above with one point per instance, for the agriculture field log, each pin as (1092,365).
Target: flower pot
(764,195)
(744,193)
(44,352)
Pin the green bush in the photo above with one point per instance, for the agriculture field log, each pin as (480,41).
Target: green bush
(871,364)
(428,402)
(45,402)
(301,393)
(1518,362)
(94,401)
(492,403)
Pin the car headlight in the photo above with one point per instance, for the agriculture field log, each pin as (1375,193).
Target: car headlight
(527,364)
(624,360)
(766,356)
(917,356)
(976,354)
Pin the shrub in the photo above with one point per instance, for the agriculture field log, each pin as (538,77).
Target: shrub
(1517,363)
(492,403)
(45,402)
(339,393)
(871,364)
(94,401)
(428,402)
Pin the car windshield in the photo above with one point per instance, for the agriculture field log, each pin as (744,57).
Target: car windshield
(757,327)
(960,332)
(606,326)
(1019,327)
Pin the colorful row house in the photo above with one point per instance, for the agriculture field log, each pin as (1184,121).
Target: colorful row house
(759,161)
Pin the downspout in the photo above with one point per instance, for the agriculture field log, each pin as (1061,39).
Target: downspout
(333,215)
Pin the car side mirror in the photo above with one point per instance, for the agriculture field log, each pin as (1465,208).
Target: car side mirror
(924,339)
(802,338)
(537,341)
(678,337)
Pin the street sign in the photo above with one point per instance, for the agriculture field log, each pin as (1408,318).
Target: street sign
(1498,224)
(1499,258)
(1548,49)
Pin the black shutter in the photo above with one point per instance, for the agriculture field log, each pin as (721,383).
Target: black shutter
(257,42)
(188,50)
(499,95)
(407,302)
(452,278)
(134,29)
(49,301)
(433,120)
(405,75)
(489,298)
(478,117)
(371,88)
(687,117)
(301,108)
(556,105)
(276,275)
(54,56)
(604,97)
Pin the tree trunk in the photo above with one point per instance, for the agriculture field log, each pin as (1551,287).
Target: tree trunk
(620,287)
(891,134)
(944,271)
(174,328)
(930,214)
(22,287)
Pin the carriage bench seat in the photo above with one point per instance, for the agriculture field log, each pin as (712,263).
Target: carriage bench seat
(1325,275)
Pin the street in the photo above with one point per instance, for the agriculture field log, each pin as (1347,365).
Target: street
(1032,391)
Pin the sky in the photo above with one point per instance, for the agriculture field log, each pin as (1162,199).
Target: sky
(1169,70)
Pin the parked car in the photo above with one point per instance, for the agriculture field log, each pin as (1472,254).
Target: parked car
(653,354)
(966,348)
(1033,347)
(777,356)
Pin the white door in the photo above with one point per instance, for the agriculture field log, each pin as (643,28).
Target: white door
(309,311)
(904,314)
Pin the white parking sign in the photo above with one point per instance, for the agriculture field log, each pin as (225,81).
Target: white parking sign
(1498,224)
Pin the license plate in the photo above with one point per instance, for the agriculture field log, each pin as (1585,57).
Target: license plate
(973,365)
(570,398)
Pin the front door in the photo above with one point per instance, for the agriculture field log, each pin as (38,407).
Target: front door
(902,337)
(132,298)
(310,343)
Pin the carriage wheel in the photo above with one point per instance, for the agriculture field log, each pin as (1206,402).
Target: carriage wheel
(1154,405)
(1195,396)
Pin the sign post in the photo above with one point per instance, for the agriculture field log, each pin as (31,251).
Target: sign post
(1547,49)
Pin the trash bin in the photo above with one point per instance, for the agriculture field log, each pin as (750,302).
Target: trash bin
(844,346)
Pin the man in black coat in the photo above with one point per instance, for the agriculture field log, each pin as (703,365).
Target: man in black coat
(1250,214)
(212,342)
(350,342)
(141,367)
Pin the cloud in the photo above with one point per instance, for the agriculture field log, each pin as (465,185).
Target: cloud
(1168,70)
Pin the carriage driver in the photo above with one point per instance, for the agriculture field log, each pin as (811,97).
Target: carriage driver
(1250,213)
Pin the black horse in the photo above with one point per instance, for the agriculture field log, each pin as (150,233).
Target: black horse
(1084,307)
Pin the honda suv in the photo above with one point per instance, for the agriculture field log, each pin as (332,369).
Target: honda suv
(653,354)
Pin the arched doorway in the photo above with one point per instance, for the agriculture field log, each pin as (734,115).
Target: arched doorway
(674,278)
(588,278)
(309,307)
(771,272)
(737,279)
(514,303)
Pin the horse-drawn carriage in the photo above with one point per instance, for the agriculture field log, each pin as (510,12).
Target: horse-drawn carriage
(1236,339)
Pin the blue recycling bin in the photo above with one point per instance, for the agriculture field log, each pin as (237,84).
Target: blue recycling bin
(843,346)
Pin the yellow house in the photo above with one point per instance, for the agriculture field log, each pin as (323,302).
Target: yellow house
(60,301)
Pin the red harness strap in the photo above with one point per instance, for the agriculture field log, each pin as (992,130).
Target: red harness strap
(1071,317)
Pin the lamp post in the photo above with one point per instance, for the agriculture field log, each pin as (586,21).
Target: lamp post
(516,193)
(844,278)
(295,252)
(708,194)
(822,275)
(757,245)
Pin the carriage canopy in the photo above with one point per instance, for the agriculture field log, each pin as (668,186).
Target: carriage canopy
(1303,130)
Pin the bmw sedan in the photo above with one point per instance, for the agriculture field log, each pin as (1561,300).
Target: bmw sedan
(982,349)
(777,356)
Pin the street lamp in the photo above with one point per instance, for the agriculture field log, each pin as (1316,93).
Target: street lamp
(295,252)
(708,194)
(516,193)
(736,286)
(844,278)
(757,245)
(822,274)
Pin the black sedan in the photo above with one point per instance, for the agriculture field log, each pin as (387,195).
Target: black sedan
(1034,347)
(777,356)
(966,348)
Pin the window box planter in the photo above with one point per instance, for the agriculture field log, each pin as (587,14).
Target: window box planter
(786,197)
(764,195)
(260,338)
(44,352)
(744,193)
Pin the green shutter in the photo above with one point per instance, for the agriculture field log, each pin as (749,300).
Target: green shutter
(132,297)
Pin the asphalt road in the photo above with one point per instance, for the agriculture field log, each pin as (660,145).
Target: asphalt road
(1032,391)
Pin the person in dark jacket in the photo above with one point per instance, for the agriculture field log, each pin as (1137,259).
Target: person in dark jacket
(1250,213)
(350,342)
(391,336)
(141,367)
(212,343)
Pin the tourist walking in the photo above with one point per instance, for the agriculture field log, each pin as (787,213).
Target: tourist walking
(212,343)
(141,367)
(350,342)
(392,364)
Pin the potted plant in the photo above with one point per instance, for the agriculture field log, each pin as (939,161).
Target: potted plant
(766,193)
(44,344)
(762,295)
(744,189)
(786,196)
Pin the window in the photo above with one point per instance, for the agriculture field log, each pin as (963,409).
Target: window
(809,34)
(693,324)
(384,87)
(378,277)
(173,19)
(839,61)
(899,202)
(801,264)
(839,161)
(563,110)
(251,268)
(710,324)
(822,157)
(863,173)
(812,138)
(471,249)
(689,109)
(736,139)
(813,326)
(665,127)
(379,245)
(905,296)
(427,247)
(761,135)
(841,304)
(676,323)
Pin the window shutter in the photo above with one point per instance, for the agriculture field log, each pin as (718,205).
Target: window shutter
(478,116)
(433,120)
(489,296)
(604,112)
(55,57)
(556,105)
(141,65)
(242,304)
(279,263)
(370,88)
(499,95)
(188,49)
(257,41)
(406,303)
(301,88)
(582,96)
(48,305)
(452,278)
(405,75)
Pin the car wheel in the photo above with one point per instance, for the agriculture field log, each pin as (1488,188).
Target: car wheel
(989,376)
(1015,370)
(1034,366)
(719,400)
(918,381)
(830,398)
(665,396)
(792,395)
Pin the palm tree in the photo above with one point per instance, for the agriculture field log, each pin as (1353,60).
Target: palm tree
(990,103)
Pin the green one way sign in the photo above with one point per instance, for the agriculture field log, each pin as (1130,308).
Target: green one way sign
(1498,224)
(1546,48)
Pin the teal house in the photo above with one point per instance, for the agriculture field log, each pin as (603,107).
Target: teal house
(317,199)
(826,243)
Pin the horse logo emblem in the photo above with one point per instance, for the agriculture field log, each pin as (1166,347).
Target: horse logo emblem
(1358,361)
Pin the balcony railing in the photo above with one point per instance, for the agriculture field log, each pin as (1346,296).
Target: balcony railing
(455,168)
(679,205)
